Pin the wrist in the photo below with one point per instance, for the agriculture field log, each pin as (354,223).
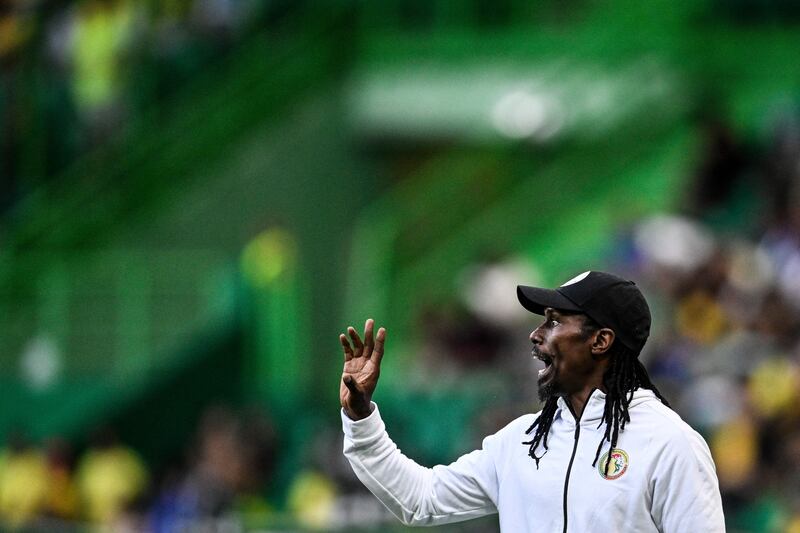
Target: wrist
(360,413)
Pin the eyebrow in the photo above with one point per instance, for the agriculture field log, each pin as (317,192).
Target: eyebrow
(560,314)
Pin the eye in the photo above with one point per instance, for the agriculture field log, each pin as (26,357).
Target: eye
(553,322)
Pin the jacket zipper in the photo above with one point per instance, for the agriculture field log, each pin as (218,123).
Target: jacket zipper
(569,470)
(571,459)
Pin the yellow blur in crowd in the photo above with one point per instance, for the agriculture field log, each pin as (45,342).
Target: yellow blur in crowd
(108,480)
(35,484)
(24,485)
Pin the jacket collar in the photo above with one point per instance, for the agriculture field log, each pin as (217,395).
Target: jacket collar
(595,405)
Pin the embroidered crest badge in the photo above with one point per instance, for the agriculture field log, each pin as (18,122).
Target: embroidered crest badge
(617,466)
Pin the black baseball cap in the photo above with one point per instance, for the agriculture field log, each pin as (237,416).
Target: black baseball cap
(609,300)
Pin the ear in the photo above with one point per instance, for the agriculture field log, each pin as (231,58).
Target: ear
(603,339)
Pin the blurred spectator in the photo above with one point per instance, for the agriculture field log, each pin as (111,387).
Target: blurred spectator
(220,20)
(721,175)
(781,173)
(325,494)
(62,494)
(231,461)
(104,31)
(312,499)
(466,341)
(15,28)
(110,478)
(735,450)
(23,482)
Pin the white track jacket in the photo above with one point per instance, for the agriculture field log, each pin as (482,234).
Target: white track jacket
(661,477)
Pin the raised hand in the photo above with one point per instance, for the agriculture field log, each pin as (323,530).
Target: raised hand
(362,368)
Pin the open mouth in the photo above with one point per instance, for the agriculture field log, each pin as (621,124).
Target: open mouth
(547,371)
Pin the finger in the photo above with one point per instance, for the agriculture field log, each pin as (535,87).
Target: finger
(348,351)
(350,383)
(357,344)
(377,352)
(368,342)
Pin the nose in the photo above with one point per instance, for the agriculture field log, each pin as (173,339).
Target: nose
(536,336)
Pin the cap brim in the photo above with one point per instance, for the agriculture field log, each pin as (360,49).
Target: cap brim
(536,300)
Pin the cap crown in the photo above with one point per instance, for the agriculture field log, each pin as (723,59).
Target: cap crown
(612,302)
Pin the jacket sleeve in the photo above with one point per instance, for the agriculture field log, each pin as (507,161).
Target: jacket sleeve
(685,488)
(417,495)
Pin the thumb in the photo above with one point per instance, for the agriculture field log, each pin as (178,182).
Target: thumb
(350,383)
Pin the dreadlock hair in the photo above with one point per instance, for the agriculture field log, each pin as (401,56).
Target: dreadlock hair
(623,376)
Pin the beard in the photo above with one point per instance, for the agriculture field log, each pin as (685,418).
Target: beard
(547,391)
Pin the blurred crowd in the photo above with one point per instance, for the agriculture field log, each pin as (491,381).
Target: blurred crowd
(727,354)
(727,351)
(74,73)
(109,486)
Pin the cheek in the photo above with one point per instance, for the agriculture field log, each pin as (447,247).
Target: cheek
(579,365)
(570,359)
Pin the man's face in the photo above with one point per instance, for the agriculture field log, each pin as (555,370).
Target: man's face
(561,343)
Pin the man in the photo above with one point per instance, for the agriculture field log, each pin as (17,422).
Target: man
(605,454)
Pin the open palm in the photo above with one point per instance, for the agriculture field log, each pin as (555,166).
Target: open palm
(362,368)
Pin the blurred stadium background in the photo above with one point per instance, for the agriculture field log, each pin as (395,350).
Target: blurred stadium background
(197,196)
